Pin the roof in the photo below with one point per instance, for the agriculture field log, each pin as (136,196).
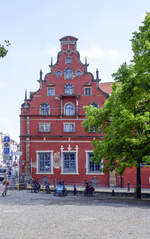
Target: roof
(68,38)
(106,87)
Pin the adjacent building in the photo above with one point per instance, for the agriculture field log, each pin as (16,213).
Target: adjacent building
(8,160)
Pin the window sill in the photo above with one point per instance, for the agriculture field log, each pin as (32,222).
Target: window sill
(95,173)
(44,173)
(70,173)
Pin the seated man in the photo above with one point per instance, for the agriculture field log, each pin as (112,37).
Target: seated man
(59,189)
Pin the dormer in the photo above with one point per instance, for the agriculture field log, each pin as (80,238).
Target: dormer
(68,43)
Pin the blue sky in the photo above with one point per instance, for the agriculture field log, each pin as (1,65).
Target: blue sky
(34,27)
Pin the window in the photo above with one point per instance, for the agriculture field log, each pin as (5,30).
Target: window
(69,109)
(91,129)
(68,74)
(68,90)
(44,109)
(93,167)
(95,105)
(59,73)
(51,91)
(78,73)
(69,162)
(87,91)
(44,127)
(69,127)
(44,162)
(68,60)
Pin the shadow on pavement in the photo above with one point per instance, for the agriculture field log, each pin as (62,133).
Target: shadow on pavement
(27,198)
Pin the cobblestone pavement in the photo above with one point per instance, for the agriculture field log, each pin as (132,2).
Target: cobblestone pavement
(26,215)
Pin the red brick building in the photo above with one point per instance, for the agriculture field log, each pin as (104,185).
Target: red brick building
(52,138)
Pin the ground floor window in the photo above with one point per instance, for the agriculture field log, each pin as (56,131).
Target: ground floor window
(44,162)
(69,162)
(92,166)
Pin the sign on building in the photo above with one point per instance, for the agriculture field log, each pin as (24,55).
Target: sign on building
(6,149)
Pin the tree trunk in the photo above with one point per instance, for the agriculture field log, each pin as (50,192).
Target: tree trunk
(138,181)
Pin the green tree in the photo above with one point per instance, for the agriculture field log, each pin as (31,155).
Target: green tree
(124,119)
(3,48)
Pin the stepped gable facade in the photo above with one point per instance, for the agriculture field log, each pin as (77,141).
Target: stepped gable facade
(52,138)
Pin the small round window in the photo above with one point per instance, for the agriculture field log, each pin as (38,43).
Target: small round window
(59,73)
(78,73)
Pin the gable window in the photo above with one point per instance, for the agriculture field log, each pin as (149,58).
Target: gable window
(68,74)
(87,91)
(69,127)
(93,167)
(69,162)
(59,73)
(44,162)
(51,91)
(44,127)
(68,89)
(44,109)
(78,73)
(69,109)
(68,60)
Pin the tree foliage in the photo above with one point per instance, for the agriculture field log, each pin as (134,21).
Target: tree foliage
(3,48)
(124,119)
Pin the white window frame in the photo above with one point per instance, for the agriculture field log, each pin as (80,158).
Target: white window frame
(46,127)
(68,73)
(37,163)
(85,94)
(73,109)
(44,111)
(70,90)
(87,165)
(70,129)
(69,151)
(53,91)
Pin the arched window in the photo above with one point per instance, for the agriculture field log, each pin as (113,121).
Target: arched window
(69,109)
(68,74)
(68,89)
(44,109)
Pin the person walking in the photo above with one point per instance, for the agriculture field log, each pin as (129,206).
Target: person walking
(5,184)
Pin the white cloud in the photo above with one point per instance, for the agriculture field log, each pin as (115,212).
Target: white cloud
(101,54)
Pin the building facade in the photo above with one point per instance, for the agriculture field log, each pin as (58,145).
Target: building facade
(53,142)
(52,138)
